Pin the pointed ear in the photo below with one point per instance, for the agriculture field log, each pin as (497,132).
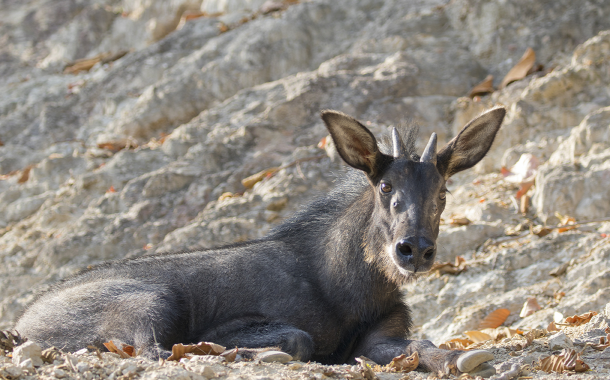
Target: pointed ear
(355,143)
(471,144)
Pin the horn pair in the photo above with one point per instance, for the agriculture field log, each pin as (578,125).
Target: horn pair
(429,152)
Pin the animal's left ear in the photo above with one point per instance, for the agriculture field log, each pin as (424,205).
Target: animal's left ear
(471,144)
(355,143)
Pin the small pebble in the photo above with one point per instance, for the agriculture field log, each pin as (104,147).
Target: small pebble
(82,367)
(27,364)
(28,350)
(295,366)
(274,356)
(208,372)
(559,341)
(13,371)
(59,373)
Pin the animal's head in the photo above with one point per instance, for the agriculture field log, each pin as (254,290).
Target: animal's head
(409,191)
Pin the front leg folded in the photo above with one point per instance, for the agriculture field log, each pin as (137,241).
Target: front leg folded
(256,335)
(386,340)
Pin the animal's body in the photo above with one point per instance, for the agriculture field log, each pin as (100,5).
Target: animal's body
(322,286)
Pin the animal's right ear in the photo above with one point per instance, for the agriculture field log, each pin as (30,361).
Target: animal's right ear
(355,143)
(471,144)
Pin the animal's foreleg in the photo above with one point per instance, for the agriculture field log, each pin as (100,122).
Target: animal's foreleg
(287,338)
(386,340)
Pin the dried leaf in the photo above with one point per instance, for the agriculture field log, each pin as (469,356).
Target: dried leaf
(521,69)
(323,142)
(529,307)
(87,63)
(117,145)
(552,327)
(222,27)
(459,221)
(524,205)
(578,320)
(230,355)
(9,339)
(567,360)
(110,346)
(227,195)
(604,342)
(495,319)
(477,336)
(541,231)
(450,268)
(366,365)
(456,344)
(25,174)
(249,182)
(404,363)
(483,88)
(50,354)
(180,350)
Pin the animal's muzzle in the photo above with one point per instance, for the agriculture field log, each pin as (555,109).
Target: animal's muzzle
(417,253)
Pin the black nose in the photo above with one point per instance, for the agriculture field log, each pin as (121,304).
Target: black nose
(415,247)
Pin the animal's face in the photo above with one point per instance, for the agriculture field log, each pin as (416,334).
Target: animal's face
(409,193)
(409,199)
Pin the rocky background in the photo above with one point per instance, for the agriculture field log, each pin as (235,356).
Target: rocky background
(127,127)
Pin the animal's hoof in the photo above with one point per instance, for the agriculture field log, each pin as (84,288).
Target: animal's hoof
(470,360)
(484,370)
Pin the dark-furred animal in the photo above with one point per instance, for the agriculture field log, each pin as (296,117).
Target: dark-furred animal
(322,286)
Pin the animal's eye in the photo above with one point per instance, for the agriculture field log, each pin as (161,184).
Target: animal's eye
(386,187)
(442,195)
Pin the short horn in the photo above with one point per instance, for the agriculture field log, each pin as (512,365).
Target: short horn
(395,143)
(430,151)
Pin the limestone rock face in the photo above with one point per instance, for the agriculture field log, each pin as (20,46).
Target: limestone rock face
(144,151)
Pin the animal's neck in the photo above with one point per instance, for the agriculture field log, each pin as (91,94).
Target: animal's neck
(360,282)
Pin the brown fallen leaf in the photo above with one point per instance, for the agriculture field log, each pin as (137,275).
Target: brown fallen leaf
(25,174)
(567,221)
(123,351)
(404,363)
(230,355)
(449,268)
(578,320)
(483,88)
(9,339)
(521,69)
(252,180)
(118,145)
(567,360)
(366,365)
(180,350)
(533,334)
(541,231)
(552,327)
(494,319)
(87,63)
(222,27)
(529,307)
(456,344)
(477,336)
(459,221)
